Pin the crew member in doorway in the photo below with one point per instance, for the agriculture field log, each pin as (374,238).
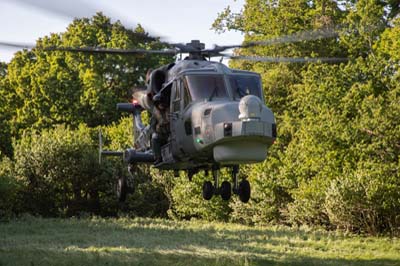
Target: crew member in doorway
(160,125)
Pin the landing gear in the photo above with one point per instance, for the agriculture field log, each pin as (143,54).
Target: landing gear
(125,185)
(234,172)
(122,188)
(208,190)
(242,188)
(226,190)
(244,191)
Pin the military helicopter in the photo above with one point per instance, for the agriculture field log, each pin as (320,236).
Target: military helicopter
(215,116)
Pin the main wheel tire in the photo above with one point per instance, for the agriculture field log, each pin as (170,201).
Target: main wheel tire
(122,189)
(244,191)
(208,190)
(226,190)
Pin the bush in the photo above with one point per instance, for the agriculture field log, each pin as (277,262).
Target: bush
(188,202)
(148,200)
(60,174)
(308,203)
(9,188)
(366,200)
(60,171)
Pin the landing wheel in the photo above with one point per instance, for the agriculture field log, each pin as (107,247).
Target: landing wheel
(226,190)
(208,190)
(122,188)
(125,183)
(244,191)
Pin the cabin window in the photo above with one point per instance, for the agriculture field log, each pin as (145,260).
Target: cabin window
(185,93)
(243,85)
(177,98)
(206,87)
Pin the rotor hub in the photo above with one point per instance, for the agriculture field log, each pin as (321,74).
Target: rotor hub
(196,44)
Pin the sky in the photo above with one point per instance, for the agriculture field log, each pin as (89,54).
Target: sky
(24,21)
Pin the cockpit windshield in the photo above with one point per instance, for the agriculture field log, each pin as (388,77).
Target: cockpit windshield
(243,85)
(206,87)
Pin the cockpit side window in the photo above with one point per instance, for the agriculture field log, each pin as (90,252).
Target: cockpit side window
(206,87)
(243,85)
(185,93)
(177,98)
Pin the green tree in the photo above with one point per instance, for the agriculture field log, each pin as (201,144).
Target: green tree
(5,113)
(345,153)
(263,20)
(336,157)
(56,87)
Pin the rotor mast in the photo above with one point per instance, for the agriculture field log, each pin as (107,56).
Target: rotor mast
(195,50)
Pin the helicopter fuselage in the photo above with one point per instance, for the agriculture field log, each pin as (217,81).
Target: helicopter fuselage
(217,116)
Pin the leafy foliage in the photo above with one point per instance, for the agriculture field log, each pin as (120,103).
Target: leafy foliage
(5,113)
(9,188)
(60,172)
(56,87)
(187,200)
(337,155)
(59,175)
(41,89)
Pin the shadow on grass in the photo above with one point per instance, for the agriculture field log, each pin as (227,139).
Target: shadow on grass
(160,242)
(147,257)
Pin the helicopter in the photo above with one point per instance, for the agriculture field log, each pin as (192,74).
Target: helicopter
(217,118)
(214,116)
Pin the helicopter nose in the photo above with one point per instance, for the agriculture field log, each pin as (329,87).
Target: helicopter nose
(250,108)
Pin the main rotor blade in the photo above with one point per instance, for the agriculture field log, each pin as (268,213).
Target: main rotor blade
(67,9)
(310,35)
(17,45)
(97,50)
(92,50)
(298,37)
(73,9)
(290,59)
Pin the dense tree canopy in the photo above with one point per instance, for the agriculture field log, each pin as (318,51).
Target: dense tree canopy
(5,112)
(71,88)
(337,155)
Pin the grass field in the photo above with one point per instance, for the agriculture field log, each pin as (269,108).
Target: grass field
(96,241)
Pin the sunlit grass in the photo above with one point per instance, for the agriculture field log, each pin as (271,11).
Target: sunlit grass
(140,241)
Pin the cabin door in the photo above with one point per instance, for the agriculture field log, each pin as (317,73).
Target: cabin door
(181,127)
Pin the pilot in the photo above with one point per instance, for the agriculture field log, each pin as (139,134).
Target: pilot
(160,126)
